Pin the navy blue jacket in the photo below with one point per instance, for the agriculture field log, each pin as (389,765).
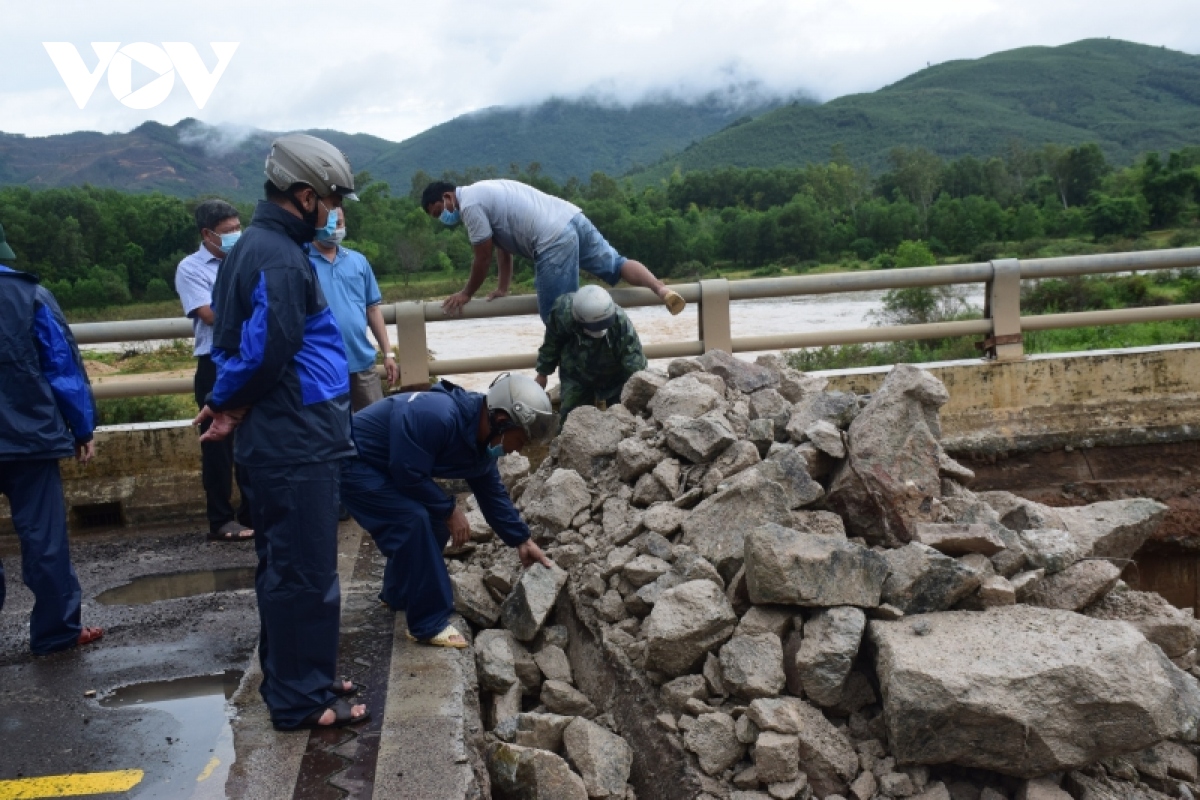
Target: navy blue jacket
(277,348)
(46,403)
(418,436)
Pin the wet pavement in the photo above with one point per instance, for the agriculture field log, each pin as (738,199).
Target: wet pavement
(163,697)
(120,704)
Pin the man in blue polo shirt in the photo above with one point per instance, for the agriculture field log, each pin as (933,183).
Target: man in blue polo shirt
(353,296)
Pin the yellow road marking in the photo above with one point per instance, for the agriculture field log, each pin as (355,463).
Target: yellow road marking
(204,775)
(70,785)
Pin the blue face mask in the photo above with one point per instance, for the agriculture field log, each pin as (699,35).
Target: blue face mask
(450,217)
(494,451)
(326,234)
(228,240)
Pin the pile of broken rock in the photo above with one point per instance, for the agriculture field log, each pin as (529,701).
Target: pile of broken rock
(764,589)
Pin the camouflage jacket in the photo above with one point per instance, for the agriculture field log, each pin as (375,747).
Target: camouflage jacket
(601,364)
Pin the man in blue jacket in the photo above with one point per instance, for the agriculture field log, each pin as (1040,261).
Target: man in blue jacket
(46,413)
(282,381)
(407,440)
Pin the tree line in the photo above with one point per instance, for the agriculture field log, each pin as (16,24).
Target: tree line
(99,247)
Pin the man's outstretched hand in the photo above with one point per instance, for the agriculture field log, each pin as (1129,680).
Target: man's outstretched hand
(222,424)
(531,554)
(460,529)
(453,304)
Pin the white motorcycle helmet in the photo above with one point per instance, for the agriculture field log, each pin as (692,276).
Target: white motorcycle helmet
(594,310)
(526,404)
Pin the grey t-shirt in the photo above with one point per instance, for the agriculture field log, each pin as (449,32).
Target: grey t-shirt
(514,216)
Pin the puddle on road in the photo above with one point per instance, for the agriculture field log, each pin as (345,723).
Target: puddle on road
(201,750)
(153,588)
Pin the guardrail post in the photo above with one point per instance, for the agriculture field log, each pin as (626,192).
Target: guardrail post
(1002,305)
(715,330)
(412,345)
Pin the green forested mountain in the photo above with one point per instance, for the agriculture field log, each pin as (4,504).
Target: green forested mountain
(567,138)
(1128,98)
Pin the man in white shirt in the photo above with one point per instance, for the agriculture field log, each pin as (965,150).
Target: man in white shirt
(220,228)
(511,218)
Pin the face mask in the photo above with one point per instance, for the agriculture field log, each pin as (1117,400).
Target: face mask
(334,239)
(325,234)
(450,217)
(494,451)
(228,240)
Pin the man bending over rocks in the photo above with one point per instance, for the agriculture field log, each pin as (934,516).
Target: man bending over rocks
(407,440)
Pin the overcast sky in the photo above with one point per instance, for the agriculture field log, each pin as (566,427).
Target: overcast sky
(394,69)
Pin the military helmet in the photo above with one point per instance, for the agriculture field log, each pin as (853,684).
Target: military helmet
(594,310)
(300,158)
(6,252)
(526,403)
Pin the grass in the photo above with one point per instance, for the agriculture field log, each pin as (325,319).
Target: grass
(140,359)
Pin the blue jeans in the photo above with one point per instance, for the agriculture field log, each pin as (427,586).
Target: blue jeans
(579,246)
(415,580)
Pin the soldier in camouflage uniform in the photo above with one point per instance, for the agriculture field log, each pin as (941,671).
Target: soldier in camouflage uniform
(594,347)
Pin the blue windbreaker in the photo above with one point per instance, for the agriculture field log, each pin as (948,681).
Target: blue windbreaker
(46,403)
(418,436)
(277,348)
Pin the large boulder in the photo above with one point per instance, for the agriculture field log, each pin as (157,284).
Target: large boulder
(921,579)
(789,469)
(683,397)
(686,623)
(526,773)
(588,441)
(543,731)
(826,754)
(699,439)
(838,408)
(554,503)
(957,540)
(636,457)
(892,471)
(602,758)
(752,665)
(738,374)
(640,389)
(473,600)
(713,738)
(717,527)
(769,404)
(526,608)
(1115,528)
(1163,624)
(1077,586)
(1024,691)
(793,567)
(830,645)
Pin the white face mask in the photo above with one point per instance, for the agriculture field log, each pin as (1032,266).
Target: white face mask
(335,238)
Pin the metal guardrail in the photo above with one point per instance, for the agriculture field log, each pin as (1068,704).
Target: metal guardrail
(1002,325)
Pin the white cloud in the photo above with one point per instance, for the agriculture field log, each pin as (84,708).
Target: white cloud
(394,69)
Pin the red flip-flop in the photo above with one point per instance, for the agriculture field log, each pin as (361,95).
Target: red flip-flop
(89,635)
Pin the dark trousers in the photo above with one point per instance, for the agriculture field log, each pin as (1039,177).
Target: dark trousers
(415,579)
(217,468)
(34,490)
(295,514)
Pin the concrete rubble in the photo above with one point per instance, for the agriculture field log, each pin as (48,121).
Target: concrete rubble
(764,589)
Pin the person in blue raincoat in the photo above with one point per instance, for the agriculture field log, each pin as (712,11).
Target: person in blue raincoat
(46,413)
(407,440)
